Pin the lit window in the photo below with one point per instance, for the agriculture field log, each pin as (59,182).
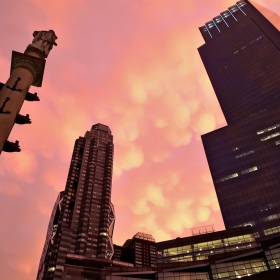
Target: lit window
(51,268)
(272,230)
(218,19)
(241,3)
(268,129)
(227,177)
(103,234)
(245,154)
(226,14)
(270,136)
(233,9)
(248,225)
(252,169)
(255,168)
(210,25)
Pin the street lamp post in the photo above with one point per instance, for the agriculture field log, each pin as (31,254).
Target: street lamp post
(26,69)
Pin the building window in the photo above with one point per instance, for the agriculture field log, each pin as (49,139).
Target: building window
(234,175)
(272,230)
(252,169)
(51,268)
(238,269)
(245,154)
(268,129)
(60,267)
(270,136)
(273,258)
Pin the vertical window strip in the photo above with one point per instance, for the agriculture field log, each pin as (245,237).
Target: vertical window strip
(208,31)
(232,15)
(224,20)
(240,9)
(216,25)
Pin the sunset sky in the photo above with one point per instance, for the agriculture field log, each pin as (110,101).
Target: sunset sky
(132,65)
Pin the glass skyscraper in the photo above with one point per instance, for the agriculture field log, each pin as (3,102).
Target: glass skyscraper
(241,55)
(82,221)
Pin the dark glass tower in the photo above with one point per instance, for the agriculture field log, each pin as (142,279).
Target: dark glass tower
(242,58)
(82,222)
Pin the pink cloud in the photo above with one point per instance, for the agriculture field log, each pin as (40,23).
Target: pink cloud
(134,66)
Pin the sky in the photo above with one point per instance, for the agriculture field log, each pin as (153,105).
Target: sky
(132,65)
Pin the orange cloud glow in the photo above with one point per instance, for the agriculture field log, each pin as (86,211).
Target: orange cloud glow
(134,66)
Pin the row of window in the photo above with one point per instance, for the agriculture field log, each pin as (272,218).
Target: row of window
(259,221)
(208,246)
(244,47)
(273,258)
(217,150)
(270,136)
(225,271)
(121,278)
(183,276)
(268,129)
(222,17)
(272,230)
(234,175)
(245,154)
(204,255)
(252,211)
(239,269)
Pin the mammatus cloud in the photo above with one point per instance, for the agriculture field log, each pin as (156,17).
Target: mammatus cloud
(152,194)
(131,157)
(23,165)
(132,65)
(12,189)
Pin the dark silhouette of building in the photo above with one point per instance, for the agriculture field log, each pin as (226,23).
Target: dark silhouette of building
(227,254)
(83,218)
(139,251)
(242,58)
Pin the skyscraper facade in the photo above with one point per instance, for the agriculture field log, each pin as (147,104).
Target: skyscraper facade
(241,55)
(51,232)
(82,222)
